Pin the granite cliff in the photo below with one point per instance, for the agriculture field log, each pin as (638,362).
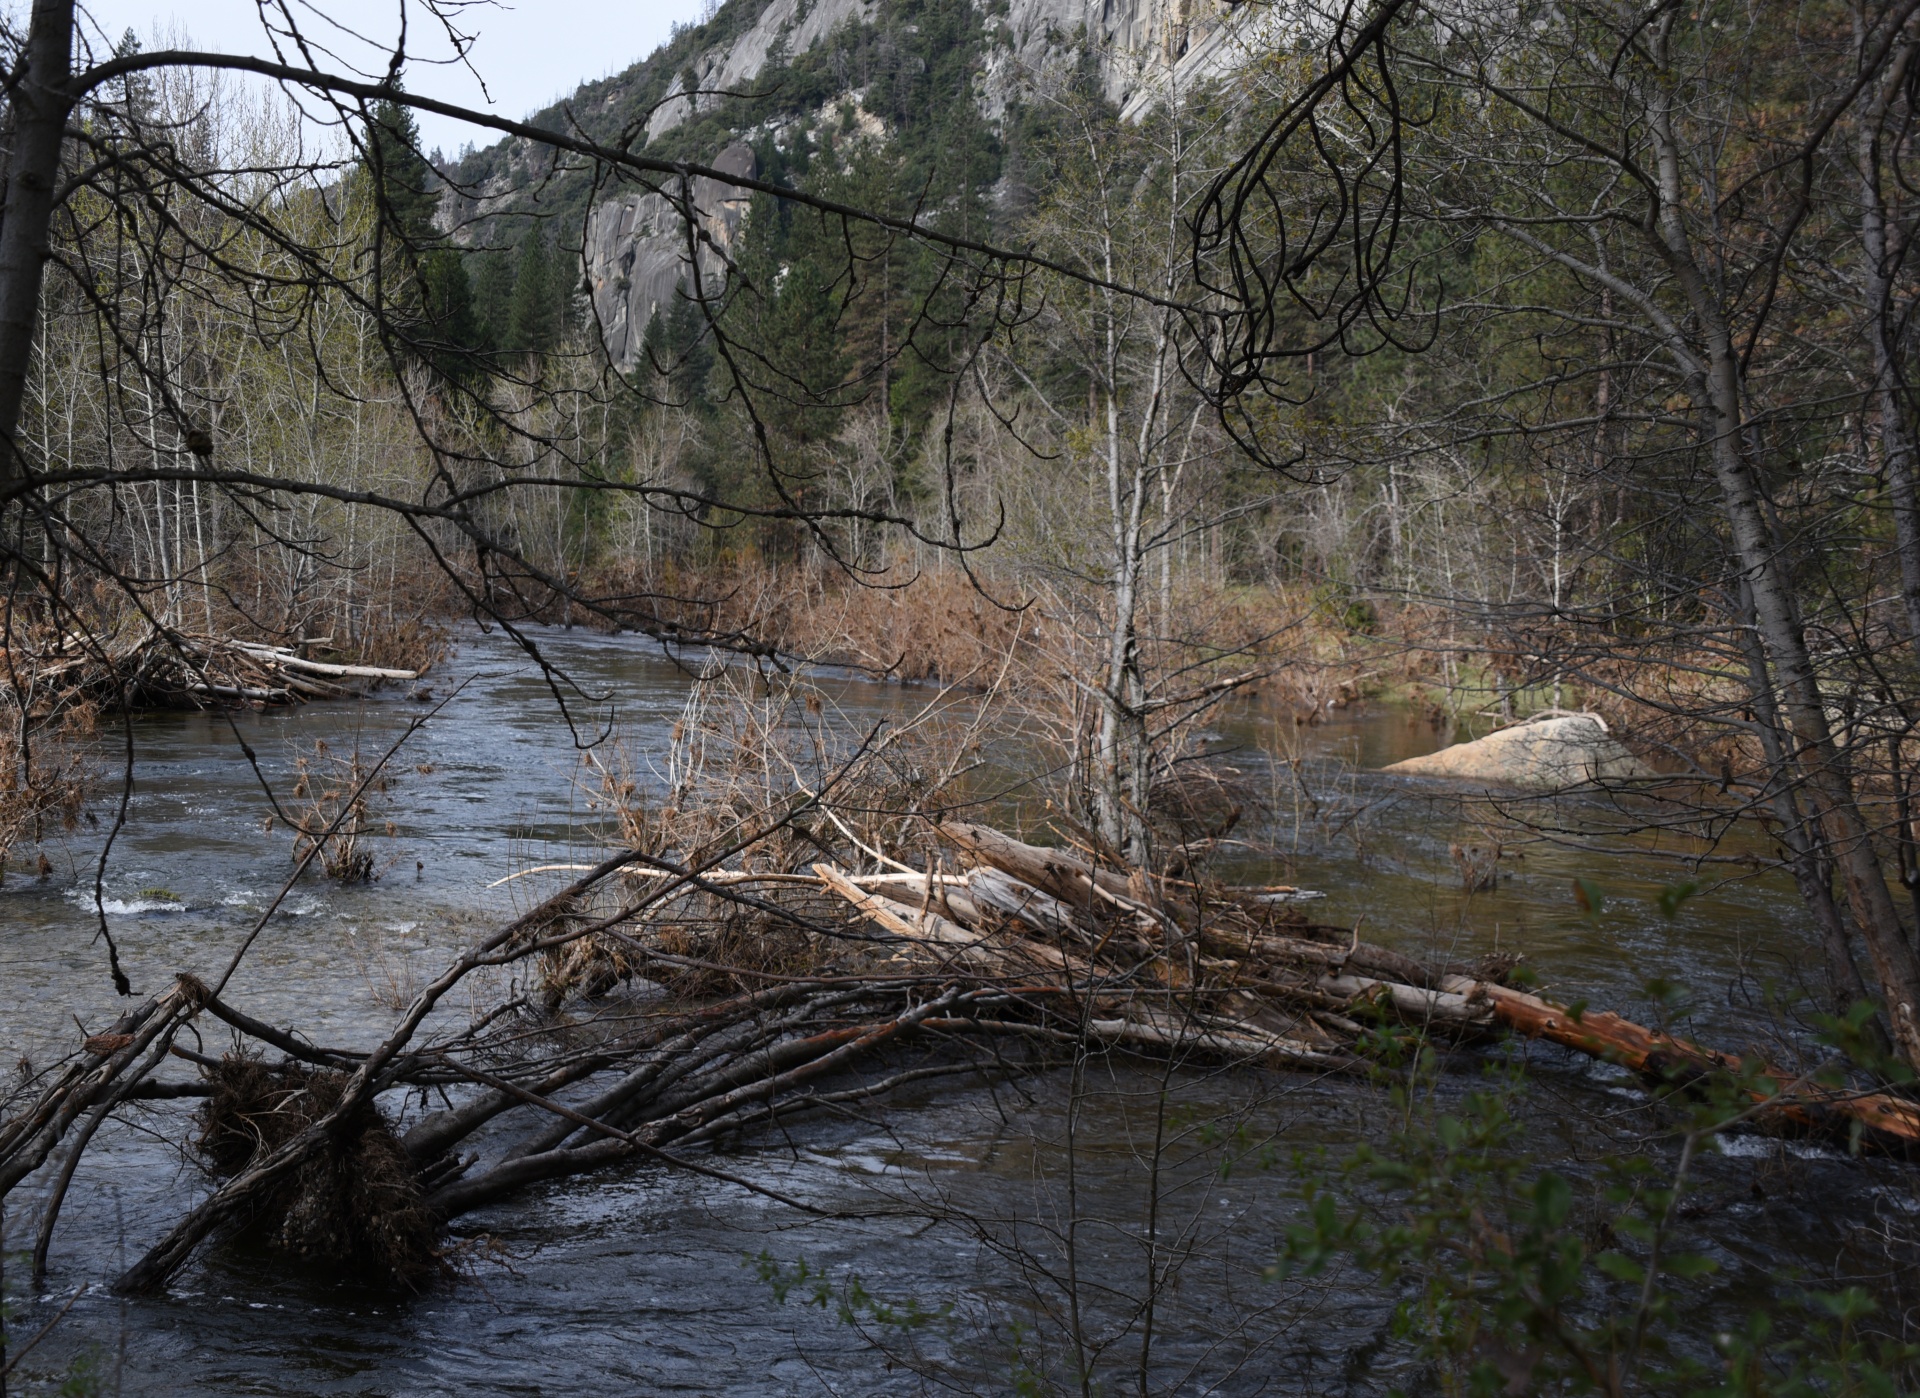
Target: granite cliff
(738,90)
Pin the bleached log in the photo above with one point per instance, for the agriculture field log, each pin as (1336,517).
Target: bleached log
(287,660)
(996,889)
(898,917)
(1064,876)
(1161,1032)
(234,691)
(1413,1002)
(930,926)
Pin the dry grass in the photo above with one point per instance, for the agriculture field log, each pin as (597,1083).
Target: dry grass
(395,643)
(47,770)
(934,626)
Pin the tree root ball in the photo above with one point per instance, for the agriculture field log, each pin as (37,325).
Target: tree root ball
(356,1204)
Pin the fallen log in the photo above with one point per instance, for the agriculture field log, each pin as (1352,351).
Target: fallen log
(829,978)
(1780,1099)
(1241,1042)
(285,659)
(1065,876)
(928,926)
(1361,973)
(1462,1007)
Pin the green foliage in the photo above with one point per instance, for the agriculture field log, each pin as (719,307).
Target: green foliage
(407,189)
(1511,1277)
(849,1301)
(85,1378)
(421,276)
(1859,1039)
(680,351)
(491,275)
(1025,1380)
(1673,896)
(536,313)
(447,299)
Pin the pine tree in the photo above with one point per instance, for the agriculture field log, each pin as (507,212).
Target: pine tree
(680,350)
(403,180)
(423,276)
(448,299)
(534,316)
(493,296)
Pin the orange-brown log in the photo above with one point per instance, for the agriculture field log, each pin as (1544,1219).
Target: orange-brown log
(1783,1099)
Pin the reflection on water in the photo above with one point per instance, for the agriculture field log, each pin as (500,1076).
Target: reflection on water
(642,1283)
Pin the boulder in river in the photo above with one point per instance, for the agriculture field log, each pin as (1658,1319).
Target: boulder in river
(1549,753)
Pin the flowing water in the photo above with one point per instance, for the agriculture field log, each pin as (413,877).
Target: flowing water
(646,1281)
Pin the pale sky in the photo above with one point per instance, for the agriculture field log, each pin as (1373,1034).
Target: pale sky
(529,52)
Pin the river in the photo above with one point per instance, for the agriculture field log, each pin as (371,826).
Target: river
(646,1282)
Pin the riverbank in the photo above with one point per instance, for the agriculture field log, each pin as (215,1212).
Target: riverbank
(1314,648)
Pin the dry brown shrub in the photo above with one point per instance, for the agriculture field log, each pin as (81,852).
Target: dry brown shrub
(747,751)
(47,770)
(903,624)
(937,626)
(734,950)
(336,819)
(397,643)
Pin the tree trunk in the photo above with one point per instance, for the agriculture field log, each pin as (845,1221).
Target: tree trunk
(1878,259)
(1801,844)
(1848,837)
(41,105)
(1717,387)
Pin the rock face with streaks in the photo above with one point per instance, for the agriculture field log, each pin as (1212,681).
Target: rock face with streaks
(639,254)
(634,247)
(1144,47)
(733,67)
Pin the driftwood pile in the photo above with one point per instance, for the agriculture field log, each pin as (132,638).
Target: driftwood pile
(755,995)
(159,667)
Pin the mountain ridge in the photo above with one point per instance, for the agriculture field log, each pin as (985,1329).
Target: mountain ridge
(761,79)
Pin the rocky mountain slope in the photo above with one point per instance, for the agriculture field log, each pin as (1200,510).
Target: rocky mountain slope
(749,90)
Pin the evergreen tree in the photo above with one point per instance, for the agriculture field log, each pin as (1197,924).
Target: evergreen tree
(423,276)
(448,300)
(680,350)
(536,313)
(403,180)
(493,296)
